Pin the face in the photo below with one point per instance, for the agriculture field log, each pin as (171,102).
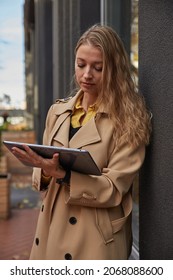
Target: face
(88,69)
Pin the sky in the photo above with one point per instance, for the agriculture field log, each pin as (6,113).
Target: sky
(12,51)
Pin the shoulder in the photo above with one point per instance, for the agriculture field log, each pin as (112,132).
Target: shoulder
(63,100)
(61,106)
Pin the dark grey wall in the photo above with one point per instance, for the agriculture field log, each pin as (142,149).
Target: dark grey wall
(89,14)
(117,13)
(156,83)
(70,19)
(43,63)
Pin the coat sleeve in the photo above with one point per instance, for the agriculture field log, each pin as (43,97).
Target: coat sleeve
(36,175)
(116,180)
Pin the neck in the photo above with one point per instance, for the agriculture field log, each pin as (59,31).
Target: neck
(88,99)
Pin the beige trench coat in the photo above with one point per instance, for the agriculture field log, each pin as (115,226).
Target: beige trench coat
(91,219)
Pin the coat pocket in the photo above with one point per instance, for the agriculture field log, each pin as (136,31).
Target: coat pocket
(104,225)
(108,228)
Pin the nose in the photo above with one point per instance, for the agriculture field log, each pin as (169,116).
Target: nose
(87,73)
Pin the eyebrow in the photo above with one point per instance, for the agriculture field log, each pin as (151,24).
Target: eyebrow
(96,62)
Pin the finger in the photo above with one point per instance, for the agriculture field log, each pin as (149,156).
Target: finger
(28,150)
(16,150)
(31,153)
(56,158)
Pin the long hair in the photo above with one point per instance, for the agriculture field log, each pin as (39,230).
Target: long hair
(119,95)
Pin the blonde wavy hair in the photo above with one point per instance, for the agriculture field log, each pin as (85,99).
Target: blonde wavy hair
(119,95)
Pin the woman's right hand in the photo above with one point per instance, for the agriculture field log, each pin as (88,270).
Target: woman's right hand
(50,167)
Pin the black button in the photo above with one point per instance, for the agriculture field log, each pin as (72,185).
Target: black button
(42,208)
(68,256)
(37,241)
(72,220)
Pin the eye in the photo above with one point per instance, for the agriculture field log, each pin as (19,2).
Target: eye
(81,65)
(98,68)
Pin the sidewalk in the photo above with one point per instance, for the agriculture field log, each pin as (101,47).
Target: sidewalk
(17,232)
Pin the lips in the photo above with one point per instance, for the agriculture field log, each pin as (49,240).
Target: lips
(87,84)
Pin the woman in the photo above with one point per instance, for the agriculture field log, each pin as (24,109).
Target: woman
(82,216)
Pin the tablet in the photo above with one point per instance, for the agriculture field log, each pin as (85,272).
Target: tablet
(73,159)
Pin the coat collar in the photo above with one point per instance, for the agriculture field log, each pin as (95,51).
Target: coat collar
(69,103)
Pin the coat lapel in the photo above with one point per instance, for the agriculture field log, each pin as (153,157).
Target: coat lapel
(86,135)
(62,111)
(60,132)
